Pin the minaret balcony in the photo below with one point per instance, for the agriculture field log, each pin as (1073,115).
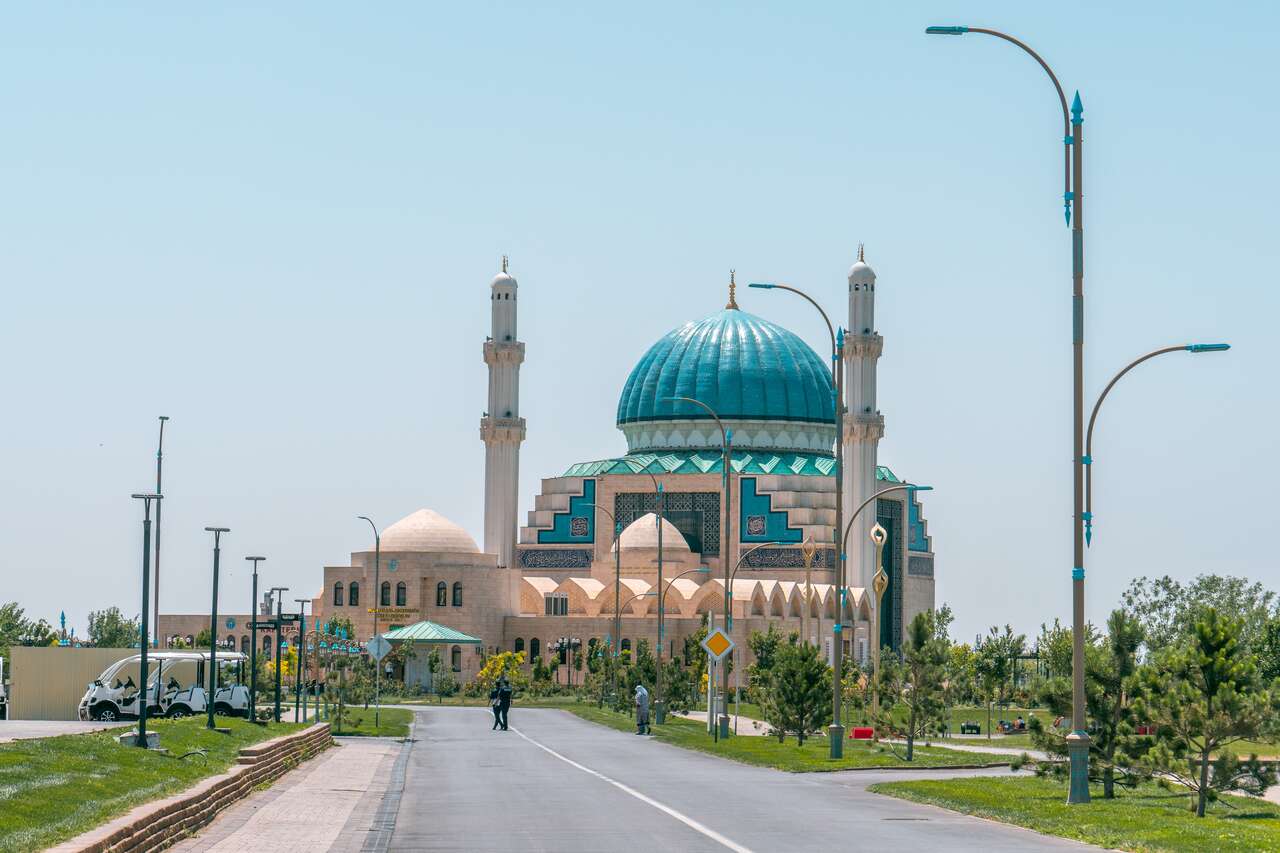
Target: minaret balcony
(863,346)
(864,427)
(499,353)
(498,430)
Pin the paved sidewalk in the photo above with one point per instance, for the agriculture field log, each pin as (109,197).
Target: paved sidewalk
(27,729)
(746,725)
(330,803)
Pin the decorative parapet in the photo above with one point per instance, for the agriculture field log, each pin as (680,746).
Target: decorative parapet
(498,353)
(502,430)
(864,427)
(863,346)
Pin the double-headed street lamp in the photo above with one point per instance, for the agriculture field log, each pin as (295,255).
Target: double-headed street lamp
(213,622)
(143,632)
(659,707)
(726,556)
(835,732)
(377,600)
(1093,418)
(276,593)
(1073,204)
(300,681)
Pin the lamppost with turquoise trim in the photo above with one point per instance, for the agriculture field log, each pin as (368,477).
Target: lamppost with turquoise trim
(617,591)
(1073,209)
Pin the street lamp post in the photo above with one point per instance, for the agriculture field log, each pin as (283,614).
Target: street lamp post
(878,584)
(299,681)
(377,600)
(726,447)
(617,602)
(275,592)
(159,491)
(1073,210)
(1093,417)
(253,642)
(659,706)
(835,732)
(213,623)
(144,634)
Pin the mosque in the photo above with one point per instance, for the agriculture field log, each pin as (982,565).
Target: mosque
(593,535)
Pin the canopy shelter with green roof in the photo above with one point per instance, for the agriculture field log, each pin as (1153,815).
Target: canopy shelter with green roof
(417,669)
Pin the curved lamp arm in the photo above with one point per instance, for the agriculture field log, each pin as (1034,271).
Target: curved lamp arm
(908,487)
(830,330)
(1062,98)
(1093,417)
(724,433)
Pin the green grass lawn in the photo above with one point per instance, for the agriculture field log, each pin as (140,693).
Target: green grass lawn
(1146,819)
(767,752)
(54,788)
(392,722)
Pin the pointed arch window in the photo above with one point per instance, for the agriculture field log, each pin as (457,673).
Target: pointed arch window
(455,658)
(384,594)
(535,648)
(337,594)
(442,594)
(519,646)
(457,593)
(402,594)
(353,594)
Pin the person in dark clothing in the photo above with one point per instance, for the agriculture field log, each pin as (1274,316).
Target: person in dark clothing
(493,703)
(504,701)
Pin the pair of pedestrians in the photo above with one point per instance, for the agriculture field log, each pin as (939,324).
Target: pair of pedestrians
(500,701)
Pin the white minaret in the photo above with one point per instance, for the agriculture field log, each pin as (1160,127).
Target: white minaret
(502,428)
(863,423)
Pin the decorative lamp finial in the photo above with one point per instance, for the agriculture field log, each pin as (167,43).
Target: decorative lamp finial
(864,260)
(504,263)
(733,286)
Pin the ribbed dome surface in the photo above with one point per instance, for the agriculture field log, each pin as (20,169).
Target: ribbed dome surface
(643,533)
(427,530)
(742,366)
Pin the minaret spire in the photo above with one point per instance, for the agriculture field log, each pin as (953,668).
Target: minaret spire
(504,260)
(733,287)
(502,429)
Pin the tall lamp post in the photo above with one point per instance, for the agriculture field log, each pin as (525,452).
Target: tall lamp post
(1073,210)
(276,593)
(1093,417)
(159,491)
(300,682)
(377,600)
(617,601)
(659,706)
(213,623)
(253,642)
(143,633)
(726,557)
(835,732)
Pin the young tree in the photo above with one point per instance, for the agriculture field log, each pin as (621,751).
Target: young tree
(799,692)
(1168,610)
(677,686)
(994,665)
(914,682)
(1116,751)
(109,629)
(764,648)
(17,630)
(504,664)
(1269,651)
(1204,695)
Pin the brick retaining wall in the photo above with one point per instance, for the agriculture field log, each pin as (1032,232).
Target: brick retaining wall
(157,824)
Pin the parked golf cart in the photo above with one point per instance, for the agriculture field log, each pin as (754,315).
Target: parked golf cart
(174,688)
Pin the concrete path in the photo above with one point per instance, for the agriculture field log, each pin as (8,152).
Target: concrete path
(746,725)
(330,803)
(27,729)
(558,783)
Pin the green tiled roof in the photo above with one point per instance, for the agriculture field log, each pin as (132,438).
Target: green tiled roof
(430,632)
(709,462)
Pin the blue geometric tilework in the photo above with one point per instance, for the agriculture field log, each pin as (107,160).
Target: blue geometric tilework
(578,525)
(759,522)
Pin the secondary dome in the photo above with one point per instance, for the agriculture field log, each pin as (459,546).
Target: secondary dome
(643,533)
(427,530)
(765,379)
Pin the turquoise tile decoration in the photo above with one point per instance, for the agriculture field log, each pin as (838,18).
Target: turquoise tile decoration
(757,519)
(564,531)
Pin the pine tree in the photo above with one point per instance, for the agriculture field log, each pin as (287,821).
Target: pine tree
(1204,695)
(799,690)
(1116,751)
(915,682)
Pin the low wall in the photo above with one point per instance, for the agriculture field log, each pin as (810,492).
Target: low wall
(158,824)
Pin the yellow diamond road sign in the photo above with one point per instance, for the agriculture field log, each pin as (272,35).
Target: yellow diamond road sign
(717,644)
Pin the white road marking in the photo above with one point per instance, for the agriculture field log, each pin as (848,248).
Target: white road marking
(683,818)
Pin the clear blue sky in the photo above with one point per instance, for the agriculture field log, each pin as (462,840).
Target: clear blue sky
(278,227)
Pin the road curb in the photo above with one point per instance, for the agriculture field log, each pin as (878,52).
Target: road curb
(155,825)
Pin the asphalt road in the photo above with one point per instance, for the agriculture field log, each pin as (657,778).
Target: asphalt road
(558,783)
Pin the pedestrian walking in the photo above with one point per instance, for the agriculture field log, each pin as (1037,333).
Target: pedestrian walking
(494,705)
(642,710)
(504,700)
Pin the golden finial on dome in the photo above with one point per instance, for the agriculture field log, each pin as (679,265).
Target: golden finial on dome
(860,254)
(733,286)
(504,263)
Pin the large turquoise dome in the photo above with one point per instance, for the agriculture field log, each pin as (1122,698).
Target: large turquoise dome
(765,379)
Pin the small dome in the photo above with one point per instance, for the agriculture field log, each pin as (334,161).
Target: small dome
(502,278)
(860,272)
(427,530)
(643,533)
